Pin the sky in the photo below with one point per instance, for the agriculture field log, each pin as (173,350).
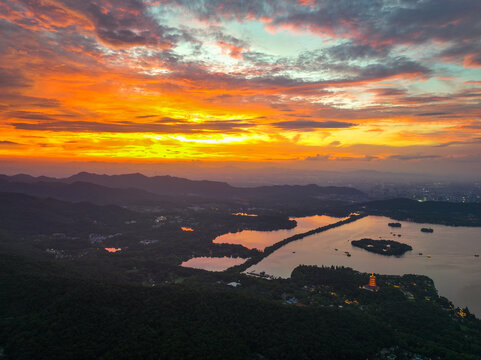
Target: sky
(307,84)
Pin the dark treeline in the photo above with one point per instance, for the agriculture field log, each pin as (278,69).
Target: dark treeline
(44,315)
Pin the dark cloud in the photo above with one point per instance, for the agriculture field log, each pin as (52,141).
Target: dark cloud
(388,92)
(371,27)
(433,114)
(215,10)
(29,115)
(8,143)
(356,158)
(467,142)
(12,79)
(382,22)
(475,125)
(467,52)
(414,157)
(310,125)
(117,23)
(392,67)
(146,116)
(351,51)
(229,126)
(318,157)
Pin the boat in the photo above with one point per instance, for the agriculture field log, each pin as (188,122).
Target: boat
(427,230)
(476,255)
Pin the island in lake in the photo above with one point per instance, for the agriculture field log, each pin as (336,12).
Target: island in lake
(383,247)
(394,224)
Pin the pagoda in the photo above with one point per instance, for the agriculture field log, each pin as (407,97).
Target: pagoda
(372,284)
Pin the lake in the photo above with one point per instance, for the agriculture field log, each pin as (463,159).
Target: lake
(213,263)
(452,265)
(253,239)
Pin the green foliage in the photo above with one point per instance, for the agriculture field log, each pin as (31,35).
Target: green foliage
(47,311)
(382,247)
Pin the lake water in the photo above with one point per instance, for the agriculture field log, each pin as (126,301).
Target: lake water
(452,265)
(213,263)
(253,239)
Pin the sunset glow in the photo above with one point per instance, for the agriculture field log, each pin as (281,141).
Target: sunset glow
(252,81)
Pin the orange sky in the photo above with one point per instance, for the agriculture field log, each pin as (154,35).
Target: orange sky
(379,86)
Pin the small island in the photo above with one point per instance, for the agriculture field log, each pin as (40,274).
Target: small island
(394,225)
(383,247)
(427,230)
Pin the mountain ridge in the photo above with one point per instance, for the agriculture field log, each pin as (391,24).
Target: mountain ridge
(148,188)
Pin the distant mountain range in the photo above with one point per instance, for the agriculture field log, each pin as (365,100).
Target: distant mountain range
(78,191)
(131,188)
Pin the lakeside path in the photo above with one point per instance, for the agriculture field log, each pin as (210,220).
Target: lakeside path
(270,249)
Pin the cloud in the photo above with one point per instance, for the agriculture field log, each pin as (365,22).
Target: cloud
(137,66)
(475,125)
(310,125)
(385,92)
(12,79)
(433,114)
(117,23)
(349,51)
(414,157)
(8,143)
(466,52)
(29,115)
(467,142)
(230,45)
(386,22)
(212,126)
(318,157)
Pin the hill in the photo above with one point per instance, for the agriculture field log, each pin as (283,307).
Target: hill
(170,186)
(24,214)
(78,191)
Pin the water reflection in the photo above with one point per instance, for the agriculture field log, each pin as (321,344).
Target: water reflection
(253,239)
(448,255)
(213,263)
(112,250)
